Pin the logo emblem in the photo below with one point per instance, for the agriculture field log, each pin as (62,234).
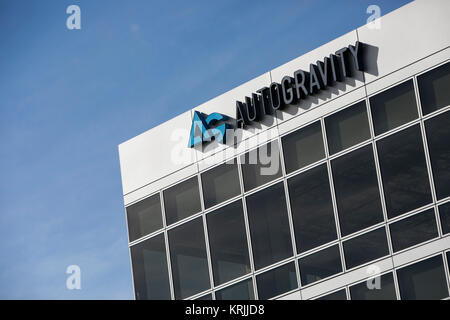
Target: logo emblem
(204,130)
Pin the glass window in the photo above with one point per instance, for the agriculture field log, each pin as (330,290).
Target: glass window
(433,88)
(220,183)
(366,247)
(444,213)
(261,165)
(269,226)
(182,200)
(424,280)
(393,107)
(438,136)
(228,243)
(413,230)
(239,291)
(151,278)
(347,127)
(312,209)
(338,295)
(144,217)
(320,265)
(188,259)
(205,297)
(356,188)
(404,171)
(276,281)
(448,261)
(369,290)
(303,147)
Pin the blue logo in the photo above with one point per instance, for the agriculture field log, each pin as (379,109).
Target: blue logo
(203,130)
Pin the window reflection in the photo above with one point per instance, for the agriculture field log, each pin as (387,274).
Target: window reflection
(347,127)
(220,183)
(312,209)
(150,273)
(424,280)
(438,136)
(269,226)
(433,88)
(357,193)
(144,217)
(228,242)
(393,107)
(303,147)
(182,200)
(404,172)
(188,259)
(277,281)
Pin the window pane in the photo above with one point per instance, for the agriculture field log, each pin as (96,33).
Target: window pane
(277,281)
(438,136)
(356,187)
(320,265)
(433,88)
(188,259)
(393,107)
(444,214)
(404,171)
(448,261)
(347,127)
(303,147)
(386,291)
(424,280)
(413,230)
(220,183)
(182,200)
(261,165)
(151,278)
(205,297)
(228,242)
(269,226)
(240,291)
(312,209)
(338,295)
(144,217)
(366,247)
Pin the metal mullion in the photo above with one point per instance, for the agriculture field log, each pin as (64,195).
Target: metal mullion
(317,249)
(332,192)
(166,240)
(382,197)
(427,157)
(289,213)
(350,149)
(379,180)
(146,237)
(247,227)
(129,254)
(306,168)
(446,269)
(400,128)
(436,113)
(205,231)
(264,186)
(274,265)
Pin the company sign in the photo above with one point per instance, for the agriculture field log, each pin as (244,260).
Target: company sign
(292,89)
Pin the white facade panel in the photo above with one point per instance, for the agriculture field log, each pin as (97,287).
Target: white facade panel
(156,153)
(405,36)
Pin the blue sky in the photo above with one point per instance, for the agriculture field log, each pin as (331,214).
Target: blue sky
(69,97)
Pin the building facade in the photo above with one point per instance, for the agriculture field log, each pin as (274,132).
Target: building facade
(331,180)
